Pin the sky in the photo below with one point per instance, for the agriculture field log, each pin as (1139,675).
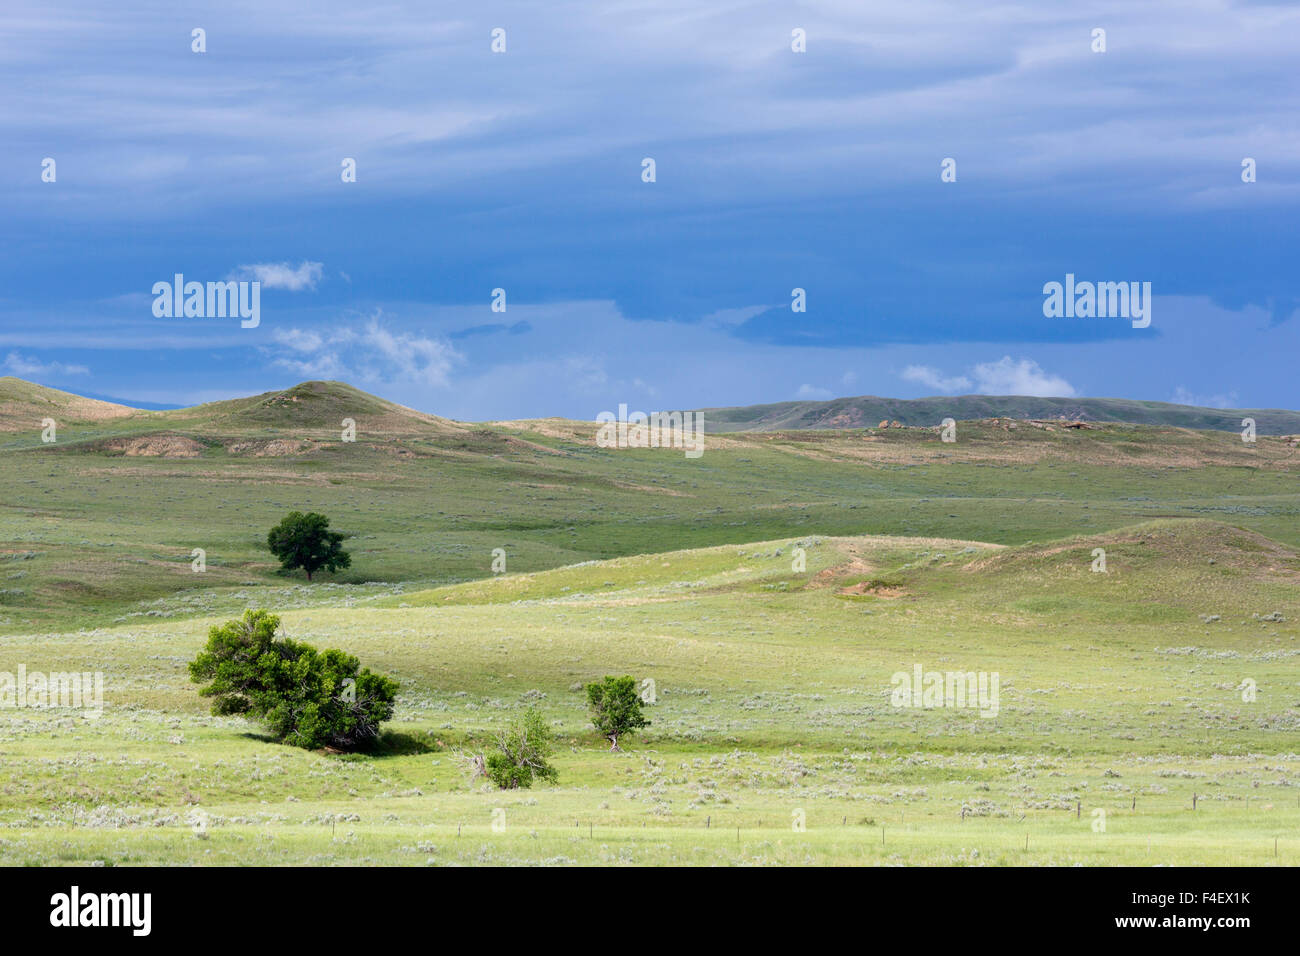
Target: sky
(775,169)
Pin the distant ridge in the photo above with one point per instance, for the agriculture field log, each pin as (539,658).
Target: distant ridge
(868,411)
(322,405)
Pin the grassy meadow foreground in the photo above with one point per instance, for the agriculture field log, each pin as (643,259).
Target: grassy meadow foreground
(770,590)
(773,702)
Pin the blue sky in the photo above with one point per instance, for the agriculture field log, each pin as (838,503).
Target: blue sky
(522,170)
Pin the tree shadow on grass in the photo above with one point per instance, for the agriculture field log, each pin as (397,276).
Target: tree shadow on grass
(260,738)
(398,743)
(391,743)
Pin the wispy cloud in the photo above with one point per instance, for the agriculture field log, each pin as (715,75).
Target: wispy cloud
(282,275)
(874,83)
(372,353)
(1184,396)
(26,367)
(933,378)
(813,393)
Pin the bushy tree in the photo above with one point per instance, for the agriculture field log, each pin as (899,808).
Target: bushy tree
(615,708)
(305,541)
(305,697)
(522,754)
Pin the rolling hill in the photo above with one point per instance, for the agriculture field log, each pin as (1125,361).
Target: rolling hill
(306,409)
(99,526)
(867,411)
(24,404)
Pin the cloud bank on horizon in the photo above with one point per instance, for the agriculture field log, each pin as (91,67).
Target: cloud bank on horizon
(472,232)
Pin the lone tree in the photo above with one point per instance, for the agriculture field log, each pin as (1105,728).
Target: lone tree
(615,708)
(305,697)
(522,755)
(305,541)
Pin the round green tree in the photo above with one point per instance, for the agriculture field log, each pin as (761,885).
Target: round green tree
(615,708)
(305,541)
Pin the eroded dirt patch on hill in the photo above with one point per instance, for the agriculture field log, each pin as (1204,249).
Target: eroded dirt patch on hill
(153,446)
(269,448)
(652,489)
(854,567)
(875,589)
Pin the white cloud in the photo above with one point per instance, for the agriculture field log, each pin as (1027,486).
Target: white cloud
(1023,377)
(420,359)
(326,366)
(1006,376)
(281,275)
(933,378)
(1184,396)
(26,367)
(299,339)
(813,392)
(733,318)
(372,354)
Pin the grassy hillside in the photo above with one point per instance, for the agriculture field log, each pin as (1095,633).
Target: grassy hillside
(1119,692)
(308,409)
(24,405)
(99,527)
(867,411)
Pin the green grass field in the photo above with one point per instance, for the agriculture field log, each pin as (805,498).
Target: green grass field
(1120,692)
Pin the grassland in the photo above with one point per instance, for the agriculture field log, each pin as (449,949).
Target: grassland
(100,526)
(1120,691)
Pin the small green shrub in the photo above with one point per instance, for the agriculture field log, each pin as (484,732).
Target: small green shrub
(522,754)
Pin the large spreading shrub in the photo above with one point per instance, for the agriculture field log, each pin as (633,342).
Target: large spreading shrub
(303,696)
